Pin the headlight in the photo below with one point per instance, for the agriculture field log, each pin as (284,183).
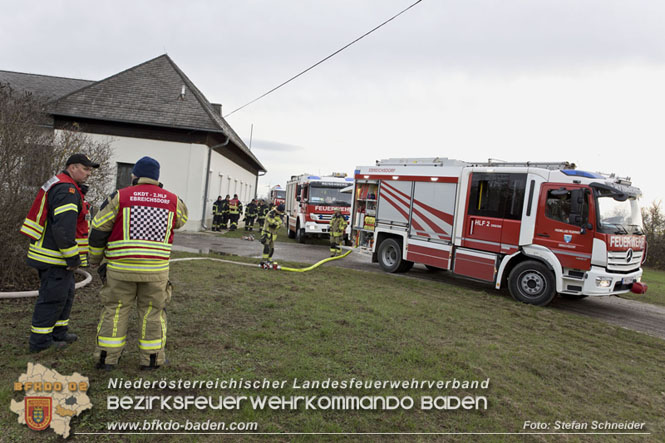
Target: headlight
(603,282)
(313,216)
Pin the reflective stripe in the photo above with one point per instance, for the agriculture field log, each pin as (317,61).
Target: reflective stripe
(126,215)
(64,208)
(96,252)
(35,226)
(139,243)
(27,230)
(111,342)
(147,266)
(169,225)
(181,215)
(41,207)
(116,318)
(70,252)
(62,323)
(98,221)
(46,259)
(36,330)
(145,320)
(136,251)
(150,344)
(162,318)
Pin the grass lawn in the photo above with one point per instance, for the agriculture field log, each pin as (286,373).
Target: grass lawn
(656,292)
(236,322)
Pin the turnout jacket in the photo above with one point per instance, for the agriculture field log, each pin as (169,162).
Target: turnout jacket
(337,225)
(133,231)
(57,225)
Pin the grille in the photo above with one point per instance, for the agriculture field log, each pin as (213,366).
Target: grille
(624,261)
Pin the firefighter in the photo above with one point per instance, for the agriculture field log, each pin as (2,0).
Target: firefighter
(269,234)
(57,226)
(225,211)
(235,208)
(261,213)
(251,211)
(133,231)
(217,214)
(337,226)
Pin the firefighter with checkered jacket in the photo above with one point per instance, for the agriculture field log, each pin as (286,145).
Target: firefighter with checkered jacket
(133,233)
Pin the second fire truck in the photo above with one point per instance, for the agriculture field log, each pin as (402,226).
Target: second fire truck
(540,229)
(311,201)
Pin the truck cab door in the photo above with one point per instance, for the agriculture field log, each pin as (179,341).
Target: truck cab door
(563,224)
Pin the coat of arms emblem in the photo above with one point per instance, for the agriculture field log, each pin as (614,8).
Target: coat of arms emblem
(38,412)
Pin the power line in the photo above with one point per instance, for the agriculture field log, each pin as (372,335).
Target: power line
(324,59)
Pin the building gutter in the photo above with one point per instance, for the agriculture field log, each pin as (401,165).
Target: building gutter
(256,184)
(205,191)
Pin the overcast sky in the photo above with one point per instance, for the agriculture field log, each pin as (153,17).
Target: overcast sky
(516,80)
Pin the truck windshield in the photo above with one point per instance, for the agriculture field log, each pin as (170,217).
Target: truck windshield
(280,194)
(618,217)
(329,196)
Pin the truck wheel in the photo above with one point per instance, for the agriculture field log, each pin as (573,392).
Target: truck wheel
(289,232)
(300,234)
(390,256)
(405,266)
(532,282)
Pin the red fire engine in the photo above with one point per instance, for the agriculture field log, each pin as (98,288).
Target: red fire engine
(539,228)
(311,202)
(277,195)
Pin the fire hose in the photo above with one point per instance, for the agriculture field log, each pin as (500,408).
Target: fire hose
(35,293)
(275,266)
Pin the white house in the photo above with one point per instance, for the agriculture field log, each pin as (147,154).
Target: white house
(154,109)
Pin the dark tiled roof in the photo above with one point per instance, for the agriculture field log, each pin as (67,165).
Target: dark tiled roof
(42,85)
(150,94)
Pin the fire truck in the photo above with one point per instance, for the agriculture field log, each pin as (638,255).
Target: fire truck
(311,201)
(541,229)
(277,195)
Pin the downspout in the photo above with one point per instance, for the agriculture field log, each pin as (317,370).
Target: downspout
(205,192)
(256,184)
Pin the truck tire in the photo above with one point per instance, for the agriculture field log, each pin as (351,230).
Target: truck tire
(532,282)
(390,256)
(300,234)
(289,232)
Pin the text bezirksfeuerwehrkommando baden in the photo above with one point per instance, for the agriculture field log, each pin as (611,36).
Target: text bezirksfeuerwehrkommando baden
(336,400)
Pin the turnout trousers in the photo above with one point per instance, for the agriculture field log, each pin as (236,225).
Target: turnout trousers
(50,319)
(336,245)
(118,298)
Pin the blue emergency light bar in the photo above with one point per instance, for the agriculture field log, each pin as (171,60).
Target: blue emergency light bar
(585,174)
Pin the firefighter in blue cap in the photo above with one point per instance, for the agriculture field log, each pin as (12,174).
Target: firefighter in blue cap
(133,232)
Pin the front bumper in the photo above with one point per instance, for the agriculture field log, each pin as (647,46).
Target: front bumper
(613,284)
(316,228)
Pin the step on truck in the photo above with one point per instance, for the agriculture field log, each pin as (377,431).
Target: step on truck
(311,201)
(541,229)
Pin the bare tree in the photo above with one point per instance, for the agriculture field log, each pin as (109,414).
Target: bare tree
(654,228)
(30,153)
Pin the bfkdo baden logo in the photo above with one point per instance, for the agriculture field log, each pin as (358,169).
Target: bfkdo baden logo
(51,399)
(38,412)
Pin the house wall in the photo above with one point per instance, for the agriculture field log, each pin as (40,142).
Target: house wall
(182,168)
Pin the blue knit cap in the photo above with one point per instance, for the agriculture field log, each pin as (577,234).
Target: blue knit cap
(147,167)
